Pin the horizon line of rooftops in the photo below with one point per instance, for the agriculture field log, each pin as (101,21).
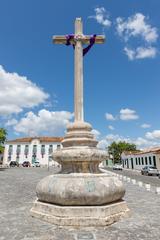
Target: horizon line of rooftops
(40,138)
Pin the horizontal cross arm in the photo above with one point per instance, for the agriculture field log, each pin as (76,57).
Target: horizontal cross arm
(85,39)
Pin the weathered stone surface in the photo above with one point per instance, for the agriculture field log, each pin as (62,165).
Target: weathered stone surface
(80,189)
(80,216)
(80,159)
(79,126)
(79,134)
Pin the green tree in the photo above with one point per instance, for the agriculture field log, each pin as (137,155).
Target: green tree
(3,137)
(116,149)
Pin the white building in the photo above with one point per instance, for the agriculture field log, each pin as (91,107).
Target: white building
(31,149)
(138,159)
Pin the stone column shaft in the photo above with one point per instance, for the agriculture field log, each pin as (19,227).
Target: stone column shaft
(78,74)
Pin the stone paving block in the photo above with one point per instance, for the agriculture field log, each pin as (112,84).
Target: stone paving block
(17,196)
(85,236)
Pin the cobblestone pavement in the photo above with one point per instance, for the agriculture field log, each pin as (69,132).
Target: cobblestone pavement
(153,180)
(17,193)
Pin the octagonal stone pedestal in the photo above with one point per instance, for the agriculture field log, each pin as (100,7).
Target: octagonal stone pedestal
(78,216)
(78,199)
(80,195)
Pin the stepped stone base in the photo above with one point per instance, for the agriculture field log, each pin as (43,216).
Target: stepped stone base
(80,215)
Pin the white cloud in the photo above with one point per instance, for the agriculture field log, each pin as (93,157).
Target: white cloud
(17,93)
(110,117)
(111,127)
(140,52)
(136,26)
(112,137)
(116,138)
(130,53)
(46,122)
(102,144)
(108,139)
(128,114)
(11,122)
(153,135)
(145,125)
(148,52)
(101,17)
(141,142)
(125,114)
(96,133)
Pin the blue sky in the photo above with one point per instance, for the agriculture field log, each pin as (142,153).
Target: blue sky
(121,77)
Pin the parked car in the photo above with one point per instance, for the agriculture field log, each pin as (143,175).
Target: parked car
(14,164)
(36,164)
(26,164)
(150,170)
(117,167)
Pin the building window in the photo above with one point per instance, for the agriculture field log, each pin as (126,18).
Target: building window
(50,158)
(132,166)
(154,161)
(34,149)
(9,158)
(150,161)
(58,146)
(142,160)
(18,151)
(26,150)
(123,163)
(139,160)
(127,163)
(146,161)
(42,150)
(50,149)
(136,161)
(10,150)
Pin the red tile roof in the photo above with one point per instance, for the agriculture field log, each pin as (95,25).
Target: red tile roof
(41,139)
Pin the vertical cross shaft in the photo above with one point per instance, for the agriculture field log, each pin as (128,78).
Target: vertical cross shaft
(78,41)
(78,73)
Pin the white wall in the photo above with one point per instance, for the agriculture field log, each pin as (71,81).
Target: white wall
(140,166)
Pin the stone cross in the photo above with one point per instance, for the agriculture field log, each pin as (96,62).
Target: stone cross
(80,193)
(79,40)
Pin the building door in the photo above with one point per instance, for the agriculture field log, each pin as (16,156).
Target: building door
(132,166)
(34,158)
(154,161)
(127,163)
(123,162)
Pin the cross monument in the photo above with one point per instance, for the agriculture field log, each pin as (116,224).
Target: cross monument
(78,41)
(80,194)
